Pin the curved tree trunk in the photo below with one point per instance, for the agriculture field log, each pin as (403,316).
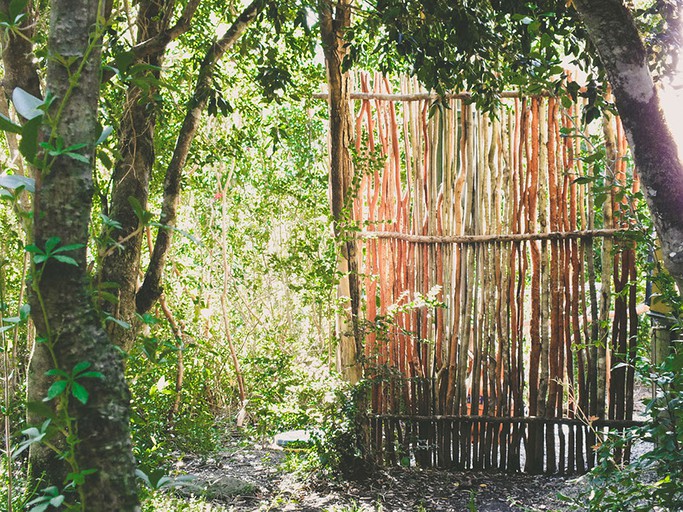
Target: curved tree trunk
(61,303)
(133,171)
(613,32)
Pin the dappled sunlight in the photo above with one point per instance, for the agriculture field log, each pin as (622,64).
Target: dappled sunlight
(672,103)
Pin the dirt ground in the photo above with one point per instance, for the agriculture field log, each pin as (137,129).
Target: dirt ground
(257,479)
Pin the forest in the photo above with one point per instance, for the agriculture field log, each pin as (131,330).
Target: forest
(341,256)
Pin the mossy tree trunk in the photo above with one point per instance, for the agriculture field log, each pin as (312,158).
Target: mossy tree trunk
(61,304)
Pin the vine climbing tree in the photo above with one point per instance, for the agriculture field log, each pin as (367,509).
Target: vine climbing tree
(74,365)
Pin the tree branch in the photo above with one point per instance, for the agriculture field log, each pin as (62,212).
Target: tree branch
(151,288)
(158,43)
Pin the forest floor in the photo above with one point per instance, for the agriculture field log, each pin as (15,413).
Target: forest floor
(254,478)
(248,477)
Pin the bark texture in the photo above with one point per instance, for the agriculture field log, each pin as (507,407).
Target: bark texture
(61,306)
(19,71)
(613,32)
(133,170)
(334,19)
(17,57)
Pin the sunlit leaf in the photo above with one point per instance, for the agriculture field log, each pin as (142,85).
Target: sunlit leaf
(106,132)
(26,104)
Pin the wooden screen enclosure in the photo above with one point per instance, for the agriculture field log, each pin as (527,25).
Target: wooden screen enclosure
(499,323)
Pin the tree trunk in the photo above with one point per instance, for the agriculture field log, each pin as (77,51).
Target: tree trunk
(613,32)
(332,24)
(17,57)
(133,170)
(19,71)
(131,176)
(61,303)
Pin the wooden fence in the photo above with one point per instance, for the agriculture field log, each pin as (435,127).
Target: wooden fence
(499,322)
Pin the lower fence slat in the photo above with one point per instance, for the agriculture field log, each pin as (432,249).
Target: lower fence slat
(478,442)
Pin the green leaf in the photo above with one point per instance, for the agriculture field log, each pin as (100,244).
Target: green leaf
(104,158)
(51,243)
(15,181)
(142,476)
(79,478)
(83,365)
(118,322)
(110,223)
(28,146)
(17,7)
(56,372)
(31,432)
(6,124)
(65,259)
(70,247)
(41,409)
(79,393)
(40,508)
(91,375)
(34,436)
(107,296)
(57,501)
(26,104)
(74,147)
(39,258)
(139,211)
(55,390)
(34,249)
(599,200)
(78,157)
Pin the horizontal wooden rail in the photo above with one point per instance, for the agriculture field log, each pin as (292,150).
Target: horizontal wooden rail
(503,420)
(419,96)
(475,239)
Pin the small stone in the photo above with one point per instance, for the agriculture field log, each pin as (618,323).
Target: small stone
(225,487)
